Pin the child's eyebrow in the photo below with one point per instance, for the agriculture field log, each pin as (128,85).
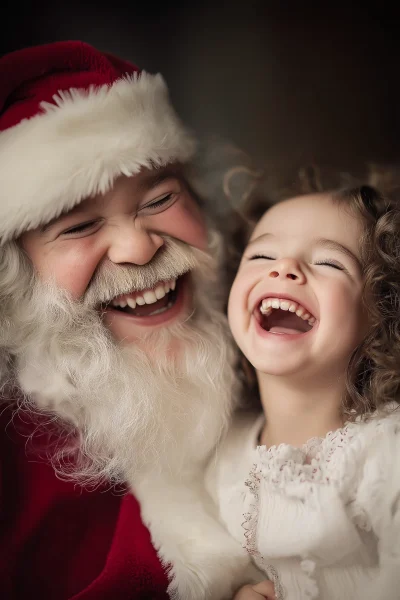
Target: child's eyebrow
(258,238)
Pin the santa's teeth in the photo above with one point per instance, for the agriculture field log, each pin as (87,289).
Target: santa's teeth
(146,297)
(149,297)
(159,292)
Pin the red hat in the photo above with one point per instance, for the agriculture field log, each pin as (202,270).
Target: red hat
(71,120)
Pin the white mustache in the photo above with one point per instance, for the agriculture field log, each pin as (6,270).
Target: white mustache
(171,261)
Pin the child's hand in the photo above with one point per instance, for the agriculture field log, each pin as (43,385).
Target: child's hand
(261,591)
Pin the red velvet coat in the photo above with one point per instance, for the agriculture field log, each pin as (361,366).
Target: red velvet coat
(58,542)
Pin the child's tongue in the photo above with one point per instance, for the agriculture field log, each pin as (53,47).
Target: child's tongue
(282,330)
(284,322)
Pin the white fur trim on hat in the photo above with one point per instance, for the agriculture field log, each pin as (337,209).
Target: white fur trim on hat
(76,147)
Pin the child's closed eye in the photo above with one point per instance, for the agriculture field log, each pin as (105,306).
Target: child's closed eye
(257,256)
(331,263)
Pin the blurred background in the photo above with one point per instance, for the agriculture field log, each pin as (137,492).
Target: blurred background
(287,82)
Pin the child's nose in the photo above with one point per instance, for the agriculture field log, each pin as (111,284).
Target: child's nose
(287,268)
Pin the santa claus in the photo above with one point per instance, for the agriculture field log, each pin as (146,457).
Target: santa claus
(111,322)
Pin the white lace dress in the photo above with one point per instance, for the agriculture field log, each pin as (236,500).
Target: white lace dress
(321,521)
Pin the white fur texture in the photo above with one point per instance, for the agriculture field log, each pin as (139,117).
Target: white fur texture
(76,147)
(140,413)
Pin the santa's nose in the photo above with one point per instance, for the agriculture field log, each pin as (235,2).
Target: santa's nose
(133,246)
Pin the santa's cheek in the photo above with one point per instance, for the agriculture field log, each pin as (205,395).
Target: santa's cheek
(185,223)
(72,266)
(73,277)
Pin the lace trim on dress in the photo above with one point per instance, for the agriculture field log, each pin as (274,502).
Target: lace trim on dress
(336,460)
(281,465)
(315,462)
(250,527)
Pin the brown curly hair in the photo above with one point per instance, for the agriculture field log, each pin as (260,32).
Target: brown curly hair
(373,375)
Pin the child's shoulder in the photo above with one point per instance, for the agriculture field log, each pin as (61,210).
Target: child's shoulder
(379,451)
(384,422)
(372,438)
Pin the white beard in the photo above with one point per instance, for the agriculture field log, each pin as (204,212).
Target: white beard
(142,415)
(127,408)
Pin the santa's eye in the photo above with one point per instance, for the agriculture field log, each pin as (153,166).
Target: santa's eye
(87,226)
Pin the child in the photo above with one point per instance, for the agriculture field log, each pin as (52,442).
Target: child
(311,486)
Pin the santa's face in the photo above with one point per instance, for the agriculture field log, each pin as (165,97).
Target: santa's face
(123,234)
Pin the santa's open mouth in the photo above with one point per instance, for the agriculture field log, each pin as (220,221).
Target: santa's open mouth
(283,316)
(148,302)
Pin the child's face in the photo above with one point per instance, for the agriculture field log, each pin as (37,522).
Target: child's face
(304,258)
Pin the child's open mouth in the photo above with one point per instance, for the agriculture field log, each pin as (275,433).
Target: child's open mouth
(282,316)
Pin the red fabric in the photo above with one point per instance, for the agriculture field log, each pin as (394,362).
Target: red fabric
(58,542)
(33,75)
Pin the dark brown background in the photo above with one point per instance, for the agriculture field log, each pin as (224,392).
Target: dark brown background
(285,81)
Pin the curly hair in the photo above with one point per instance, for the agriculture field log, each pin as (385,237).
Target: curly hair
(373,374)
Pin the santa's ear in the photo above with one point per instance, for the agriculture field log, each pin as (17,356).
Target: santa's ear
(238,183)
(222,175)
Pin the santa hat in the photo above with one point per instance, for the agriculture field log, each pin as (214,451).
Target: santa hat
(71,120)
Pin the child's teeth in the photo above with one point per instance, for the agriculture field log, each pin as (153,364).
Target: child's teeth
(265,307)
(268,304)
